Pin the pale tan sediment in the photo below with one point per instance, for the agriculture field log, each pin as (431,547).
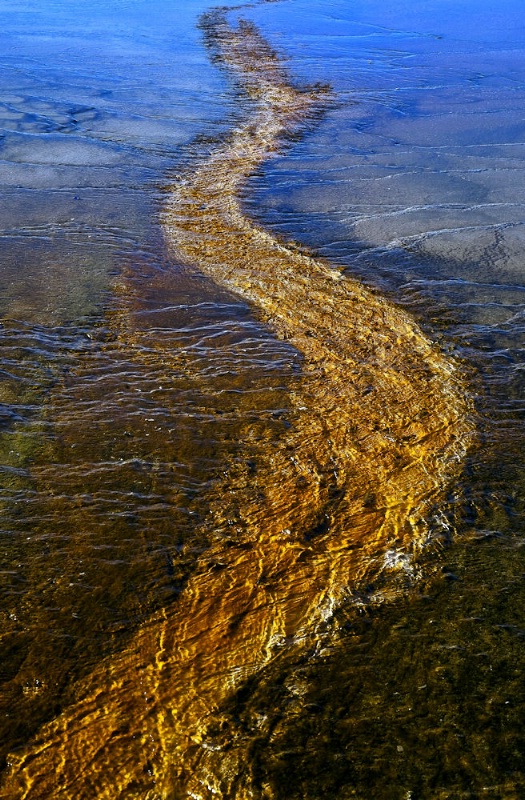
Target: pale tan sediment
(380,430)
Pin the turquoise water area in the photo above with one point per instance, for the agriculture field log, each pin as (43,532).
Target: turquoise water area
(412,181)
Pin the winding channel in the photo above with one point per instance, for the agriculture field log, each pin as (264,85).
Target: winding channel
(380,429)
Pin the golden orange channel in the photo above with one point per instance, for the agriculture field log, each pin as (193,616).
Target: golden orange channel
(354,492)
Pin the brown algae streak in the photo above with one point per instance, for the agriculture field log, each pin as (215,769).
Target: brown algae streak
(379,432)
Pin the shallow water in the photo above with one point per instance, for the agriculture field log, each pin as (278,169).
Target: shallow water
(112,456)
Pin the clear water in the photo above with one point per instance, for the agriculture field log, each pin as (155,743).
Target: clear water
(412,182)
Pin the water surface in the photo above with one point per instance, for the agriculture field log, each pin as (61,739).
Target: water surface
(410,182)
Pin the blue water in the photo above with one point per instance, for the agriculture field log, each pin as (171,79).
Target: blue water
(97,102)
(412,181)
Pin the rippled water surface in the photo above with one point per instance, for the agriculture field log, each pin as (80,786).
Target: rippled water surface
(135,392)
